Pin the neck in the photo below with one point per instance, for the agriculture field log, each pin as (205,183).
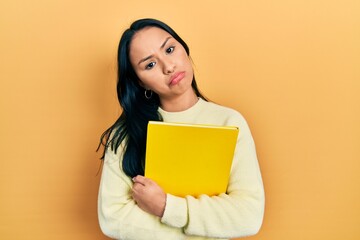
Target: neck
(180,103)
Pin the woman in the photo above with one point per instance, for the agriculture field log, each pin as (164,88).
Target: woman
(156,82)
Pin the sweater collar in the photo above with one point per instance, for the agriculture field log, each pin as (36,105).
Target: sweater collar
(188,112)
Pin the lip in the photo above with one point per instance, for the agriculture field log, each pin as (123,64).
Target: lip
(176,77)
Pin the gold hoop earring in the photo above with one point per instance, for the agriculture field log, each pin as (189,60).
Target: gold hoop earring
(148,93)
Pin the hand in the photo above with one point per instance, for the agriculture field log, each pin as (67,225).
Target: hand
(148,195)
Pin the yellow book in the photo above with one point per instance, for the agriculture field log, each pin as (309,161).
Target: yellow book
(190,159)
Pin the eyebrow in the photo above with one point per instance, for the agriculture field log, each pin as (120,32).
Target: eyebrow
(161,47)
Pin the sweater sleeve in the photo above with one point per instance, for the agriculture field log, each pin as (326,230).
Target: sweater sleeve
(237,213)
(119,216)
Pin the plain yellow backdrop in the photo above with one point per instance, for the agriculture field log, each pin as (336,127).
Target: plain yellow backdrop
(292,68)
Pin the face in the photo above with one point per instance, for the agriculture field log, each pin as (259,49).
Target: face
(161,63)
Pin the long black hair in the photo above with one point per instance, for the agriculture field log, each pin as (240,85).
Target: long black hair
(131,127)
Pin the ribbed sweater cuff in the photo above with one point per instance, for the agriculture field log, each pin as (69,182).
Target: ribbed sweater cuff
(175,214)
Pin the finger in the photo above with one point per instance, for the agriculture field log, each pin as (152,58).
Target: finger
(134,194)
(137,187)
(140,179)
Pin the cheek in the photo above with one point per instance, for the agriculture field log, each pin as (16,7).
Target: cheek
(185,59)
(187,63)
(147,77)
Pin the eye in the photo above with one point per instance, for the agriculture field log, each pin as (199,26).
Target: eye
(150,65)
(170,50)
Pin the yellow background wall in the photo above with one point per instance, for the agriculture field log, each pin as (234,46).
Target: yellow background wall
(291,67)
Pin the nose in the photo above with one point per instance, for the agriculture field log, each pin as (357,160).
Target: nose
(168,66)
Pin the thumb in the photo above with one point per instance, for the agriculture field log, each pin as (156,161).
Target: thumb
(140,179)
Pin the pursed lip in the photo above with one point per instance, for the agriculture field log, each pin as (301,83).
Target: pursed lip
(176,77)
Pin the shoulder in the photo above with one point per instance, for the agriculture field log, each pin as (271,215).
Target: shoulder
(221,114)
(114,155)
(220,108)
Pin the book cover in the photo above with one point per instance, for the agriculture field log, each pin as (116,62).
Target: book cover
(190,159)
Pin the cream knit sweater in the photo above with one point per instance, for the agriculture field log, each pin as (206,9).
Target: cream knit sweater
(237,213)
